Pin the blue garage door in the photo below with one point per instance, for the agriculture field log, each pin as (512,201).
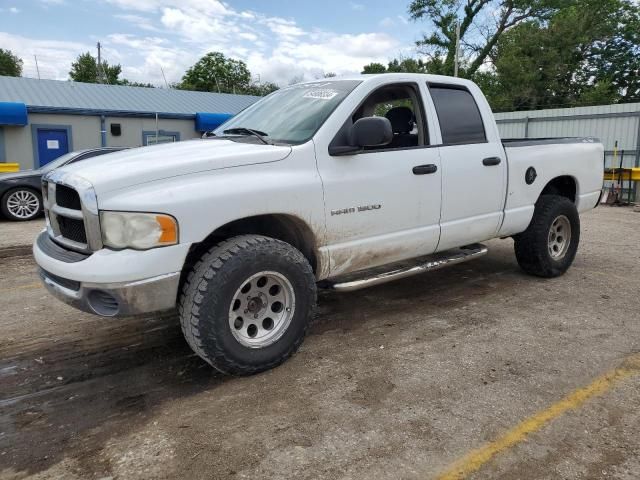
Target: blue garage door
(52,143)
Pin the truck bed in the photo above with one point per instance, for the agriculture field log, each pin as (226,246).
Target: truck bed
(578,159)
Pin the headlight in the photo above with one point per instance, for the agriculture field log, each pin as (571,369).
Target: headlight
(138,230)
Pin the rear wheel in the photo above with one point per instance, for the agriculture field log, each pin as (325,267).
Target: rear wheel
(549,245)
(246,305)
(21,204)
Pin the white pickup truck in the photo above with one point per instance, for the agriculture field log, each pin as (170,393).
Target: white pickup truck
(341,183)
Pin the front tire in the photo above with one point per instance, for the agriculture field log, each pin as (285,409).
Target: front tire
(548,246)
(246,305)
(21,204)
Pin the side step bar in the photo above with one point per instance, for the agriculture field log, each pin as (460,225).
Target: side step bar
(380,275)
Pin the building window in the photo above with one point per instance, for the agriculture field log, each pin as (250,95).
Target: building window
(151,138)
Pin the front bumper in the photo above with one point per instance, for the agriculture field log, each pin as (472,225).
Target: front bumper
(115,299)
(112,283)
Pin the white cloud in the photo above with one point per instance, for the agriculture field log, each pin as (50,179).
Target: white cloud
(387,22)
(173,34)
(356,6)
(54,57)
(14,9)
(139,21)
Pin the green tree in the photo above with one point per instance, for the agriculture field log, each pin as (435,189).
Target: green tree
(374,67)
(407,65)
(613,58)
(585,54)
(130,83)
(10,64)
(85,69)
(260,89)
(482,23)
(216,73)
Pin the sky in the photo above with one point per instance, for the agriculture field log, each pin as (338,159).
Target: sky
(279,40)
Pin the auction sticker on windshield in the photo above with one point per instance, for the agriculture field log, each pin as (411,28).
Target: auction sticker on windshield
(321,94)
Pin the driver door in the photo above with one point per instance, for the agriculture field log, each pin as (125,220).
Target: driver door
(382,204)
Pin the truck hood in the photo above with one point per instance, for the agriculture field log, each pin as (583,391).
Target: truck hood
(147,164)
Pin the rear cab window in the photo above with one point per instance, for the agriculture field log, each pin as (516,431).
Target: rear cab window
(458,115)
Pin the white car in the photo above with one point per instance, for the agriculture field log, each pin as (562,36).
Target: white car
(340,183)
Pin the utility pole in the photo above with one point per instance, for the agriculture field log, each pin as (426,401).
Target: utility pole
(99,72)
(165,78)
(457,60)
(37,68)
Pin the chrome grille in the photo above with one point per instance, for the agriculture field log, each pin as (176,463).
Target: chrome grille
(72,229)
(71,212)
(67,197)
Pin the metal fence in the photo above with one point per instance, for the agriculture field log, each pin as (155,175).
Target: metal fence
(612,124)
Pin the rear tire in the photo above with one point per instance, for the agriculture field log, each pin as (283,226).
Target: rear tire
(246,304)
(21,204)
(549,245)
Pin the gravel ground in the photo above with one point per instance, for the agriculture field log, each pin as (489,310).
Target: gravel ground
(397,381)
(18,234)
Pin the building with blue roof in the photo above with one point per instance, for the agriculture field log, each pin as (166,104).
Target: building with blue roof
(43,119)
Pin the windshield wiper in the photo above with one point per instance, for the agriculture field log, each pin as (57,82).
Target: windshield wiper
(249,131)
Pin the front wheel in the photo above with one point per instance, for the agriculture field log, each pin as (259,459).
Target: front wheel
(549,245)
(246,305)
(20,204)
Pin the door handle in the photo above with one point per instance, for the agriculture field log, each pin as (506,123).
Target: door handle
(488,162)
(425,169)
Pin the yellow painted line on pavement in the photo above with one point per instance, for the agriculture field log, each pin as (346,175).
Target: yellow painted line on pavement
(474,460)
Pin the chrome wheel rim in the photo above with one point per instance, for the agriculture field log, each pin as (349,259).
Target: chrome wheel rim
(261,309)
(23,204)
(559,237)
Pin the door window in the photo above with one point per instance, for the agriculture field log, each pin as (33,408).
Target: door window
(401,104)
(458,114)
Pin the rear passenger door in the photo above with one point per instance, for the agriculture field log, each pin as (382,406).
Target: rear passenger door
(473,168)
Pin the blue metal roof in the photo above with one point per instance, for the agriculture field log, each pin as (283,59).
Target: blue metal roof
(74,97)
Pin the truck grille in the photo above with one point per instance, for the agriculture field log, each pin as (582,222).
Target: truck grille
(72,229)
(67,197)
(66,217)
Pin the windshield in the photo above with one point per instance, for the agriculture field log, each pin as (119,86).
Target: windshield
(293,114)
(58,162)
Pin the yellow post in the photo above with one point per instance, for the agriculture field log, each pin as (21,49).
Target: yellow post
(9,167)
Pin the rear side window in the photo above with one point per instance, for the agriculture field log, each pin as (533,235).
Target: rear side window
(458,114)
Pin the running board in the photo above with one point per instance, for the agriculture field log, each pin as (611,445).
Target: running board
(380,275)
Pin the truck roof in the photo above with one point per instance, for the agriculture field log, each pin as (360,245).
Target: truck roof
(416,77)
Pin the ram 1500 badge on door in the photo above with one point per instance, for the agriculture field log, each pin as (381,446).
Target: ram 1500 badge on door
(342,184)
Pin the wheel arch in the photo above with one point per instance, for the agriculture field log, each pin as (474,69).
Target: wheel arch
(563,185)
(285,227)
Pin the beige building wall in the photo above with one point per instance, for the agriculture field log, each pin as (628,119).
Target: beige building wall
(85,133)
(133,128)
(19,147)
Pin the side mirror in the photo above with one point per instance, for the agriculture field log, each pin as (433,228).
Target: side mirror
(365,132)
(371,132)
